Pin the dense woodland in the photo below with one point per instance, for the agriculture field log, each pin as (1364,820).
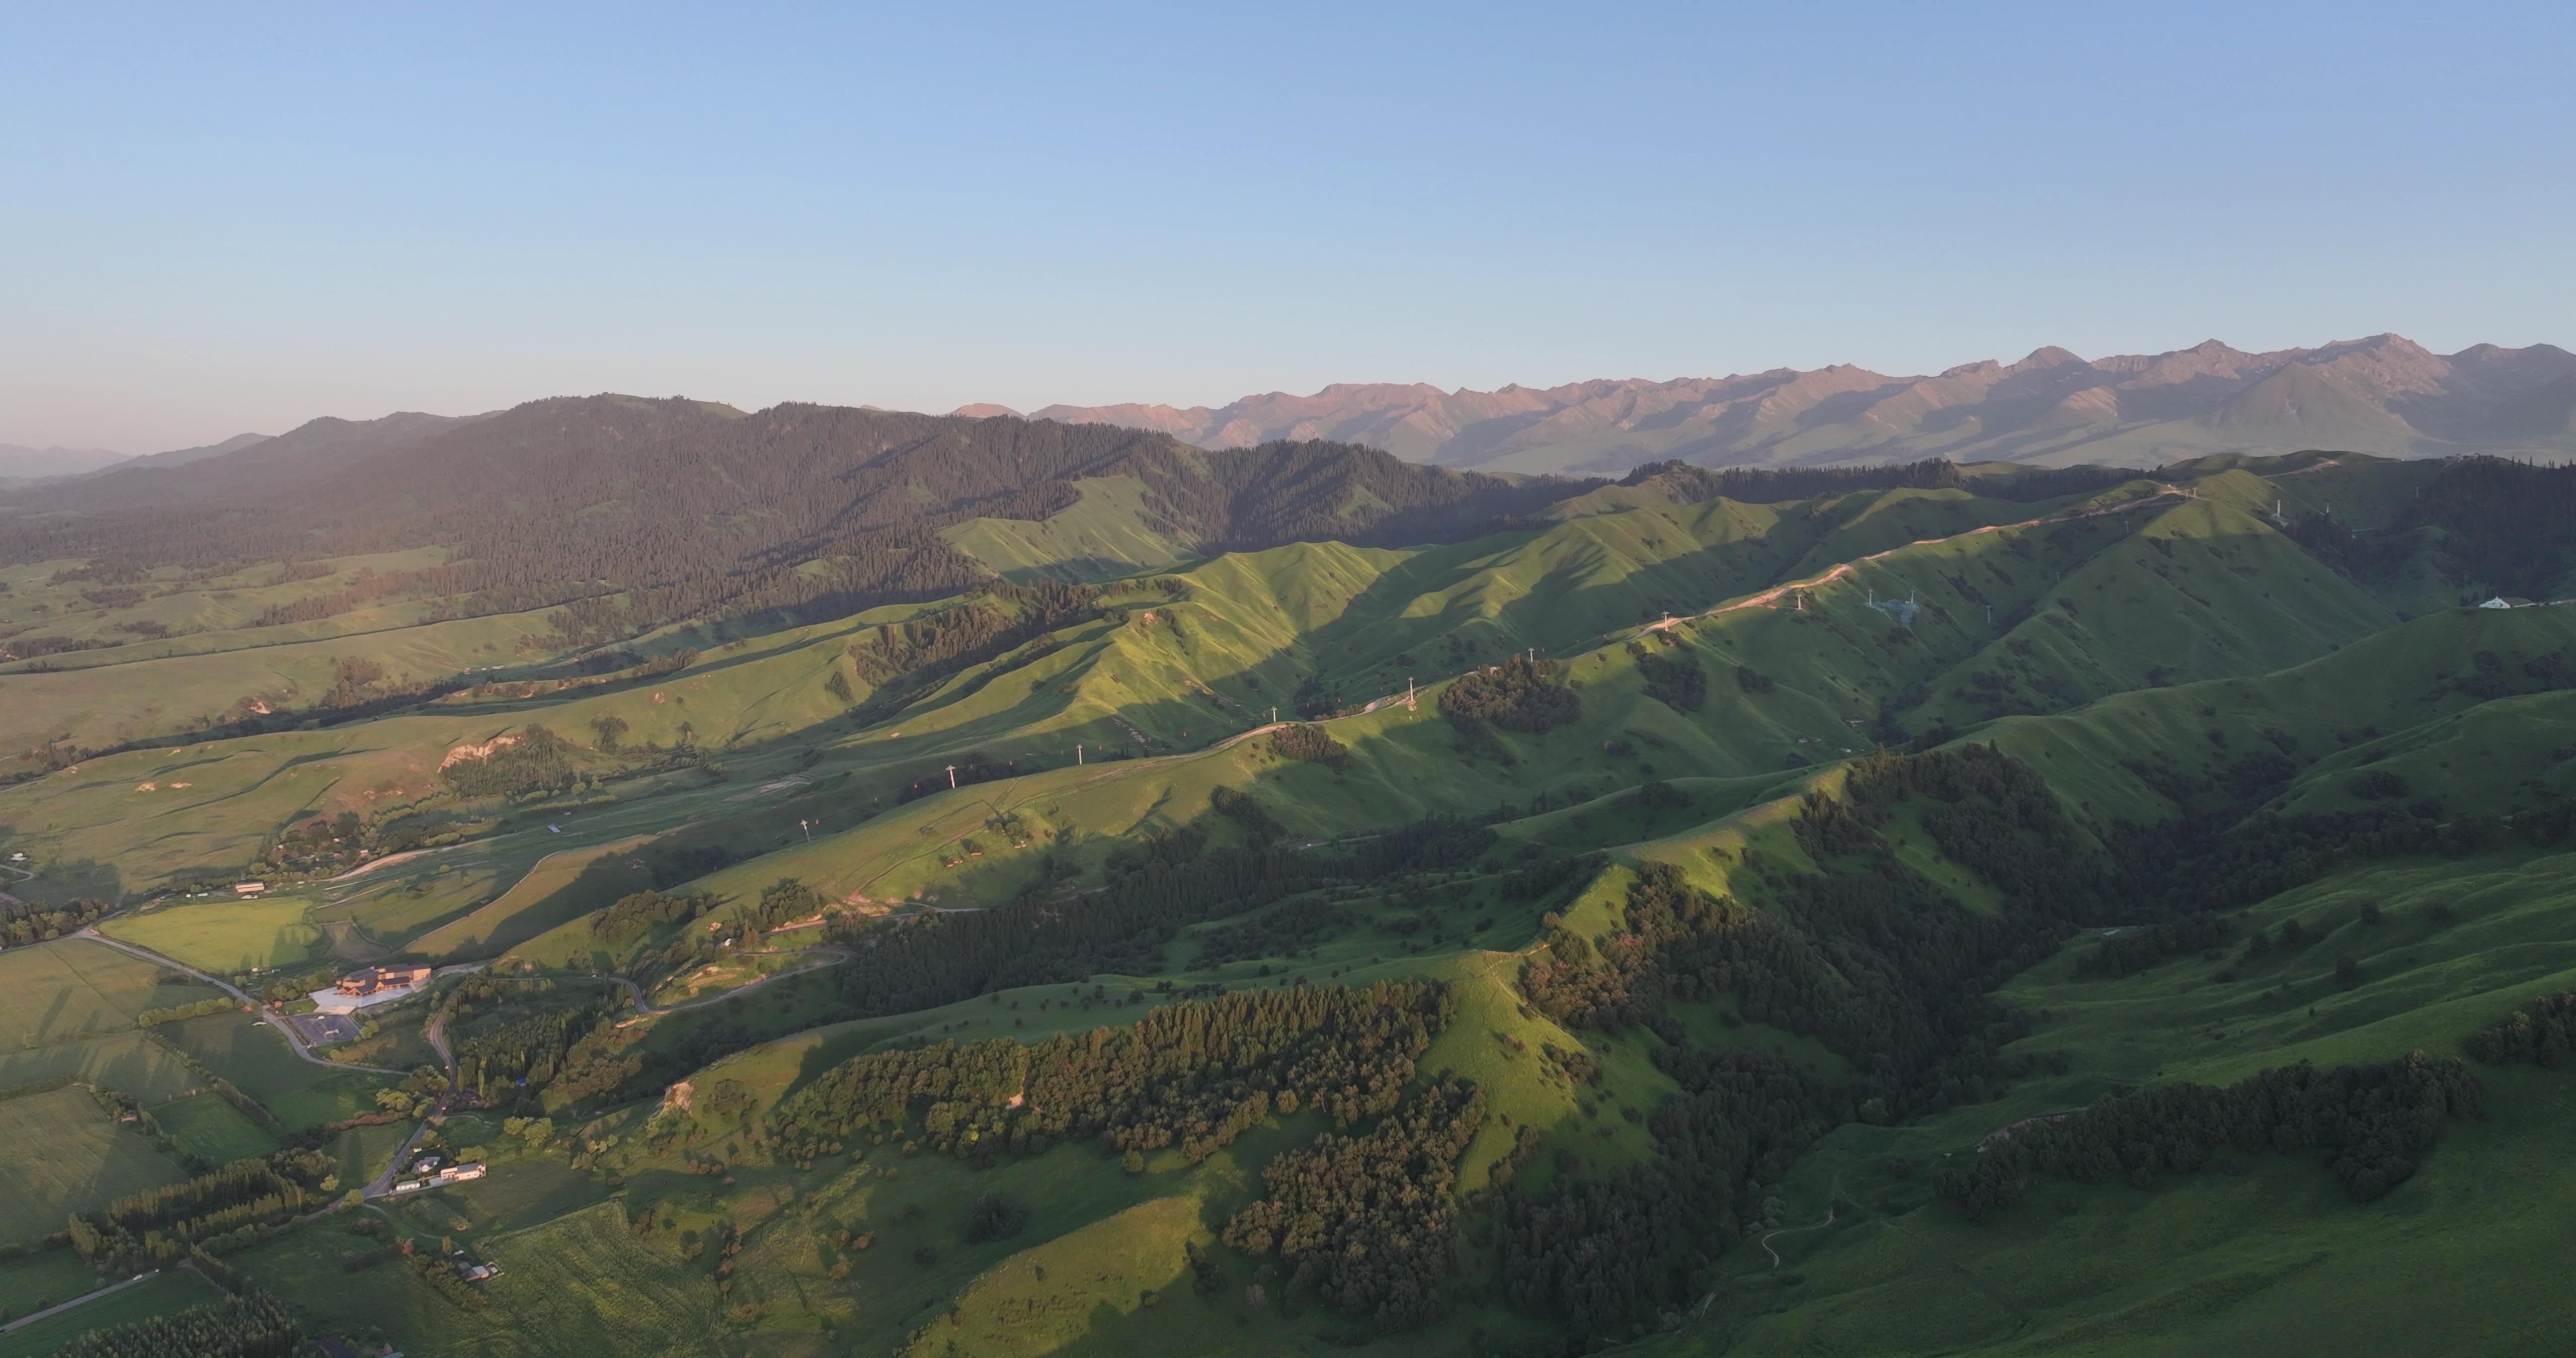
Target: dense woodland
(1368,1223)
(799,510)
(2372,1121)
(1193,1075)
(1517,695)
(249,1324)
(1867,957)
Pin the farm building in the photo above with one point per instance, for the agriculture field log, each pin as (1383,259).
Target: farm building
(369,980)
(249,888)
(372,986)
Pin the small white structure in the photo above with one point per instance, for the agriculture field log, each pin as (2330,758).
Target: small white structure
(2506,601)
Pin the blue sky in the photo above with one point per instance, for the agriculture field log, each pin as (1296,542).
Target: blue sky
(215,219)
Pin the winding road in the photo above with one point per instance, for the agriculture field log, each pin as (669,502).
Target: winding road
(284,1029)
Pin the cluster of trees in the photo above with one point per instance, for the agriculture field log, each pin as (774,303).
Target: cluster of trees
(901,659)
(2508,525)
(1517,695)
(643,912)
(995,1217)
(217,1210)
(2138,949)
(24,922)
(522,1041)
(1151,893)
(534,760)
(2541,1033)
(1675,681)
(1368,1222)
(2372,1121)
(1606,1253)
(248,1324)
(1193,1075)
(1272,933)
(1310,743)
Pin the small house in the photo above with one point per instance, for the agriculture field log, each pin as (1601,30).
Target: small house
(249,888)
(2506,601)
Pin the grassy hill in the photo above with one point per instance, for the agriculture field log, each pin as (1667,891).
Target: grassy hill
(1743,1000)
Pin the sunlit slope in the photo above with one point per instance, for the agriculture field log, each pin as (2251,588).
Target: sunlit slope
(1108,533)
(1214,661)
(135,822)
(2102,757)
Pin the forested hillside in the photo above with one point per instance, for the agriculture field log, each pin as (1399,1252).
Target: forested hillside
(1280,901)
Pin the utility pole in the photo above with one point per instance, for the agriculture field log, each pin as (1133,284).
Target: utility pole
(1408,694)
(952,775)
(1077,752)
(808,827)
(1274,715)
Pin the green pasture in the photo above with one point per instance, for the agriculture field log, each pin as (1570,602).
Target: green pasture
(74,988)
(67,1156)
(257,1060)
(129,1061)
(209,1126)
(223,936)
(172,1290)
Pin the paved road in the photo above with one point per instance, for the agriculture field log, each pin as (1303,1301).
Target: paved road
(284,1029)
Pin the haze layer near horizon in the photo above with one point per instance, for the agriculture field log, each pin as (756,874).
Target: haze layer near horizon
(220,222)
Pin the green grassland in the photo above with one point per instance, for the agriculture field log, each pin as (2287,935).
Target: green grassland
(206,1125)
(2139,647)
(2263,1252)
(65,1156)
(225,936)
(130,1062)
(37,1279)
(258,1061)
(73,988)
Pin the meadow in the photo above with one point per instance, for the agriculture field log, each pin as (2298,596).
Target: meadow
(209,1126)
(66,1155)
(225,937)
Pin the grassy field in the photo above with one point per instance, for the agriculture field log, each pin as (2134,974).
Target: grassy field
(66,1156)
(207,1125)
(133,1062)
(257,1059)
(175,1290)
(41,1278)
(225,937)
(74,988)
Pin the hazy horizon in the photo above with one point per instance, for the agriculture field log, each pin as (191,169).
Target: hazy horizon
(245,225)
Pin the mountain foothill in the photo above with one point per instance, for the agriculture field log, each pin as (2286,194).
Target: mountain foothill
(2068,856)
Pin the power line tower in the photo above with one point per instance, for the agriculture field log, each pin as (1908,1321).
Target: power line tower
(952,775)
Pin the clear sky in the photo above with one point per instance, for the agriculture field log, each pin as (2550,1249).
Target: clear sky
(225,218)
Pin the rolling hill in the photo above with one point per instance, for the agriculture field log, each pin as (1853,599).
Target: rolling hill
(1293,900)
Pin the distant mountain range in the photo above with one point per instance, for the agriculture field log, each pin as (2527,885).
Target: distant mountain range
(2385,395)
(17,460)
